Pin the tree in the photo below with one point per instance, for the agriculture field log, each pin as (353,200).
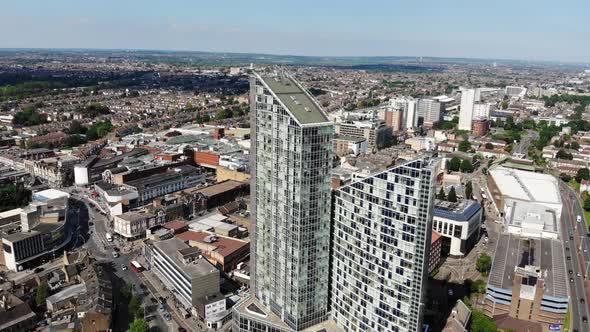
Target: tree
(464,146)
(441,194)
(466,166)
(139,325)
(489,146)
(452,197)
(587,203)
(126,291)
(76,128)
(42,293)
(135,306)
(504,104)
(468,189)
(574,145)
(482,323)
(565,177)
(582,174)
(455,164)
(484,264)
(562,154)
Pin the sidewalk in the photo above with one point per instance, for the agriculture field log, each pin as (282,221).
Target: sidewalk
(155,286)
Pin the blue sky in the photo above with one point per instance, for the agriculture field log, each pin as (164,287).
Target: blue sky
(515,29)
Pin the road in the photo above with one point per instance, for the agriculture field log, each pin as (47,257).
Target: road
(577,256)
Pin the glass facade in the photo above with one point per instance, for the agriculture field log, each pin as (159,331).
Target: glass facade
(291,163)
(381,237)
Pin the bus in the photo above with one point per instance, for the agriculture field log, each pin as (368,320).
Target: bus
(109,237)
(136,267)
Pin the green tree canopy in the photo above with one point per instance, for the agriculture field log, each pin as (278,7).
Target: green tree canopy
(482,323)
(466,166)
(455,164)
(42,293)
(441,194)
(468,190)
(562,154)
(484,264)
(452,197)
(14,196)
(464,146)
(29,116)
(489,146)
(139,325)
(135,306)
(98,130)
(583,174)
(587,203)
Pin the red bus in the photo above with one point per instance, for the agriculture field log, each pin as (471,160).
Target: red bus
(136,267)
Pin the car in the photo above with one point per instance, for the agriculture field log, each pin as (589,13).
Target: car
(123,267)
(161,307)
(571,272)
(584,319)
(588,234)
(569,258)
(579,218)
(115,254)
(167,316)
(567,248)
(571,237)
(571,279)
(582,301)
(181,329)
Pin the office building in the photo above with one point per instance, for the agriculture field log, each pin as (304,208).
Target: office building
(375,132)
(468,99)
(349,145)
(408,107)
(291,162)
(191,278)
(381,242)
(459,224)
(480,126)
(43,231)
(483,110)
(393,117)
(429,112)
(516,91)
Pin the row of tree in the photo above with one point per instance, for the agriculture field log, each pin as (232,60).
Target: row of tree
(457,164)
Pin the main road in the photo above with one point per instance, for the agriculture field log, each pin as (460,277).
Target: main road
(577,256)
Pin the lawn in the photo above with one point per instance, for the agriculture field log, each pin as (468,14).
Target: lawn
(574,184)
(587,216)
(566,324)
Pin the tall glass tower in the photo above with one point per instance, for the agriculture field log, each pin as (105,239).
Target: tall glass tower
(380,248)
(291,156)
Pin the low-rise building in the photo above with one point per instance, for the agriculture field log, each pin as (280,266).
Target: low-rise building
(435,251)
(182,269)
(43,230)
(223,251)
(350,145)
(459,224)
(133,224)
(15,314)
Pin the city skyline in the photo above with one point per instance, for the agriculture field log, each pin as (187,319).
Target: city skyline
(463,30)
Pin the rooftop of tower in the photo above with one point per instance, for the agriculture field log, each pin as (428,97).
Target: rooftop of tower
(298,101)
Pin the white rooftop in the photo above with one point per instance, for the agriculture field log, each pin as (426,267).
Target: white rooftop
(526,186)
(49,194)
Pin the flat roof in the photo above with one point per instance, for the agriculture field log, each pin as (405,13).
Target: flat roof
(224,246)
(197,268)
(218,188)
(462,210)
(45,195)
(547,254)
(527,214)
(297,101)
(527,186)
